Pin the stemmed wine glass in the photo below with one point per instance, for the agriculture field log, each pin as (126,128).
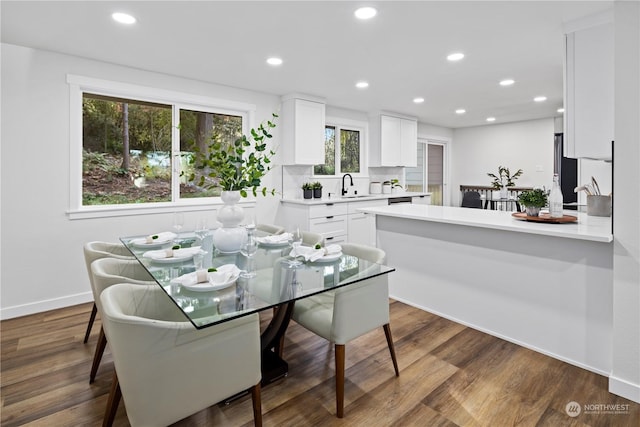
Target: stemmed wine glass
(296,241)
(249,249)
(202,230)
(177,223)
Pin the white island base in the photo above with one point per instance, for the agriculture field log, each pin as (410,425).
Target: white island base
(549,294)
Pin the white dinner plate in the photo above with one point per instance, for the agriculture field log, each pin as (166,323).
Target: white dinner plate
(329,258)
(273,244)
(140,243)
(173,259)
(189,281)
(179,255)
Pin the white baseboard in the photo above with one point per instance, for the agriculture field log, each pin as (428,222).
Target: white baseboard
(46,305)
(506,338)
(624,388)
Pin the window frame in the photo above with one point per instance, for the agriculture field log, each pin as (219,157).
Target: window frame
(78,85)
(353,125)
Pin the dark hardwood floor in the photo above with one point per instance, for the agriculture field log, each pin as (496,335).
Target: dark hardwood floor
(450,375)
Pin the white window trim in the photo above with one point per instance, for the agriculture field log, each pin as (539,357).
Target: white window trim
(79,84)
(349,124)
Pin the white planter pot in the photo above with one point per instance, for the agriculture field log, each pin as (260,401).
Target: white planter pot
(230,237)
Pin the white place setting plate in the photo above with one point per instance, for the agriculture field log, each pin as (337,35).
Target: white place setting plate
(162,239)
(225,276)
(329,257)
(179,255)
(273,241)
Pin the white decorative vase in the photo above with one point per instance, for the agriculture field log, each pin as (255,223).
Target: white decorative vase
(230,237)
(504,192)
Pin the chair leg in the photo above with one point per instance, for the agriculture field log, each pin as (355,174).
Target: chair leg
(257,405)
(92,317)
(339,356)
(97,356)
(115,394)
(392,350)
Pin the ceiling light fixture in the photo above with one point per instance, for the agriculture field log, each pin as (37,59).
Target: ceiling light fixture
(507,82)
(455,56)
(365,13)
(418,100)
(123,18)
(274,61)
(540,98)
(362,85)
(560,110)
(461,111)
(491,119)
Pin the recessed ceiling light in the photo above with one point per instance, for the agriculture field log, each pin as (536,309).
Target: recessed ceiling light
(362,85)
(365,13)
(123,18)
(455,56)
(461,111)
(274,61)
(418,100)
(540,98)
(507,82)
(491,119)
(560,110)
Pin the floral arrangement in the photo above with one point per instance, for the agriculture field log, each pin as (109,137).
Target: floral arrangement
(504,178)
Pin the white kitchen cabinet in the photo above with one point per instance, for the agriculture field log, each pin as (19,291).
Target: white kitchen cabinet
(361,225)
(393,141)
(421,200)
(589,75)
(303,122)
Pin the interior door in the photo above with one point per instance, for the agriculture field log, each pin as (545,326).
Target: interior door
(430,174)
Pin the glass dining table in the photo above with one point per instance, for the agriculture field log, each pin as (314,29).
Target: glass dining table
(277,283)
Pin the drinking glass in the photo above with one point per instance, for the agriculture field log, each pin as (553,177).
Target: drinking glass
(249,249)
(178,221)
(202,230)
(296,240)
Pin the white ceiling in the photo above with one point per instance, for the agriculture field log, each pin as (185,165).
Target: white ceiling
(401,52)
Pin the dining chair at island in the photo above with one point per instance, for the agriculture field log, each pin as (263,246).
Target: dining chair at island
(471,199)
(165,370)
(107,272)
(344,314)
(92,251)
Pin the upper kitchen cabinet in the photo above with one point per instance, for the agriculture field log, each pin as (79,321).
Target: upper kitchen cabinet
(588,116)
(393,141)
(303,121)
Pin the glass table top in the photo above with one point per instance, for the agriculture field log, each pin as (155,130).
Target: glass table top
(208,298)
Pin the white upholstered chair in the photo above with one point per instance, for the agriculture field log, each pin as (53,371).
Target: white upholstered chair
(309,238)
(93,251)
(106,272)
(165,369)
(344,314)
(270,228)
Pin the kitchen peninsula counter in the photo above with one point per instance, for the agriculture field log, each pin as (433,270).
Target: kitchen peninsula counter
(547,287)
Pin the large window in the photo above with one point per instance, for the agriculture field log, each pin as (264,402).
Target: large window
(342,151)
(135,150)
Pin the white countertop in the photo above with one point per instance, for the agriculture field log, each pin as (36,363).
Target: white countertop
(363,198)
(594,228)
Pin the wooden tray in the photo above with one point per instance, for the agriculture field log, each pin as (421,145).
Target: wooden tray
(544,218)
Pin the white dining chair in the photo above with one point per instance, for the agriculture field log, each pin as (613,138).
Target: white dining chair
(107,272)
(344,314)
(309,238)
(92,251)
(165,369)
(270,228)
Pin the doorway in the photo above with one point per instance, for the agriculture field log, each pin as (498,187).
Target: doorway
(430,174)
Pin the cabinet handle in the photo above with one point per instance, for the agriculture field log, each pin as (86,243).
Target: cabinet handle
(330,217)
(328,204)
(328,238)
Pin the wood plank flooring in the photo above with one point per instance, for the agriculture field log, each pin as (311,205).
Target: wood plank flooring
(450,375)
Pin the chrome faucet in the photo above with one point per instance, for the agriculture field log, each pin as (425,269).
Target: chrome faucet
(350,178)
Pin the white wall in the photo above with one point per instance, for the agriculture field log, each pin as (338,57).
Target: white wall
(42,261)
(527,145)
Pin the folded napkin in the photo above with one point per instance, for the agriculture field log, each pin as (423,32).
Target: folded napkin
(274,238)
(172,253)
(223,275)
(163,237)
(312,254)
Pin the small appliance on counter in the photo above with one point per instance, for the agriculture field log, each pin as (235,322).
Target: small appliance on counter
(375,187)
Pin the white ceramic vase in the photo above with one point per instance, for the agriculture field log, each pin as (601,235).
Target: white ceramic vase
(504,192)
(230,237)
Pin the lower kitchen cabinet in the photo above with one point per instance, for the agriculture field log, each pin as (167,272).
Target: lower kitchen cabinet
(421,200)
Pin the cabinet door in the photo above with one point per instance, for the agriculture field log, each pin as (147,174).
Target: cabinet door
(390,134)
(362,228)
(309,132)
(421,200)
(589,93)
(409,143)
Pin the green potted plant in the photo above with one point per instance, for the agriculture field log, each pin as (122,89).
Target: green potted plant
(317,190)
(533,201)
(307,190)
(503,180)
(395,185)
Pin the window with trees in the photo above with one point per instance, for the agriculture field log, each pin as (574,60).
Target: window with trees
(136,150)
(342,151)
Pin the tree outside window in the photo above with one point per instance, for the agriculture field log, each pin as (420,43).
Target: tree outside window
(347,145)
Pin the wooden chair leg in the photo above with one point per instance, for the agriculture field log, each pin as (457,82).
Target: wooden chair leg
(97,356)
(257,405)
(92,318)
(339,356)
(112,403)
(392,350)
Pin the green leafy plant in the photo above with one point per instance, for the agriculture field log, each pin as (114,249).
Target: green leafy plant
(229,167)
(395,183)
(536,198)
(316,186)
(504,178)
(307,186)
